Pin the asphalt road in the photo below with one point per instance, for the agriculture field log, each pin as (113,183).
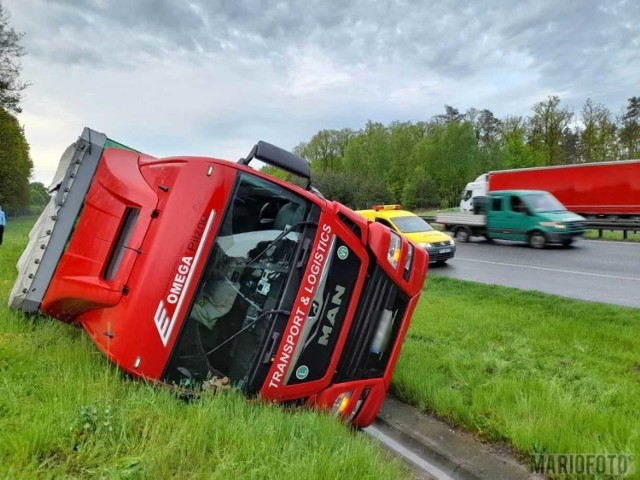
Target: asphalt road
(598,271)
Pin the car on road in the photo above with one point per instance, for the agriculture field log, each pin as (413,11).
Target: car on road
(439,245)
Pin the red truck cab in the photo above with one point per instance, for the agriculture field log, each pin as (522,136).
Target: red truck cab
(186,269)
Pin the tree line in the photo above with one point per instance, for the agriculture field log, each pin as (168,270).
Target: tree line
(16,193)
(428,163)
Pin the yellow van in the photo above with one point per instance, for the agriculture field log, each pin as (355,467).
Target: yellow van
(440,246)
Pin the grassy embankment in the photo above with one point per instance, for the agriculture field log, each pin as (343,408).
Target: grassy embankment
(542,373)
(65,412)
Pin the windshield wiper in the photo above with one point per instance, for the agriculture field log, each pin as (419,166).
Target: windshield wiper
(284,233)
(247,326)
(237,290)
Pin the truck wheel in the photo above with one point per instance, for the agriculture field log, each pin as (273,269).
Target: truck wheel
(537,240)
(463,234)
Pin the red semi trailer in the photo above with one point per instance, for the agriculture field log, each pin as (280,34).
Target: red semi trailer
(193,270)
(608,190)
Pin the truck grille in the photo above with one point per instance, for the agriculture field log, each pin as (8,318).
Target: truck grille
(358,361)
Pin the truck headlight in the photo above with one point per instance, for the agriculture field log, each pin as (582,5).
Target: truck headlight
(395,246)
(341,403)
(425,245)
(407,264)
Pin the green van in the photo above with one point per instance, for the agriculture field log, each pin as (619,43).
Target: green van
(531,216)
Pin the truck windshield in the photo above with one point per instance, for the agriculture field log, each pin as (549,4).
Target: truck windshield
(543,202)
(244,278)
(411,224)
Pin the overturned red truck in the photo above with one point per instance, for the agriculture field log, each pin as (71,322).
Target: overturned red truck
(188,269)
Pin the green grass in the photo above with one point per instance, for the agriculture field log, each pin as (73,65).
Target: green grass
(613,235)
(66,412)
(539,372)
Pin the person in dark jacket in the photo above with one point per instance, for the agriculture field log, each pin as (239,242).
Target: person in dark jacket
(3,222)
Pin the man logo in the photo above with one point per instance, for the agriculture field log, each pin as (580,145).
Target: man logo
(327,328)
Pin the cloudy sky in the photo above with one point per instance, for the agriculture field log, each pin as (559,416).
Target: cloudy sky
(211,77)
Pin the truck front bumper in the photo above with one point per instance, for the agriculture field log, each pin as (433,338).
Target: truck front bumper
(561,237)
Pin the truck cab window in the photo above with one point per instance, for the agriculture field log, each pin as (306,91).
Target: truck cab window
(496,205)
(518,206)
(466,195)
(244,278)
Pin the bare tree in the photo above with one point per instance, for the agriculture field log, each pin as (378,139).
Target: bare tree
(10,67)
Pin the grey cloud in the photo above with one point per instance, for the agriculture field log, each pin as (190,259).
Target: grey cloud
(441,37)
(574,39)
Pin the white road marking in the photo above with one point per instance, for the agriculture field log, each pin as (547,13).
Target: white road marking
(547,269)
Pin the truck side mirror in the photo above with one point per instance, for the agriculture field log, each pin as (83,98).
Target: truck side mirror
(280,158)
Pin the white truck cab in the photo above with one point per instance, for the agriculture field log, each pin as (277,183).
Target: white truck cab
(477,188)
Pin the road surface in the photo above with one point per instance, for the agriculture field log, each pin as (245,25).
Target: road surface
(598,271)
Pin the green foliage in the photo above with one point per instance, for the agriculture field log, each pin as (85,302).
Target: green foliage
(325,149)
(548,123)
(335,185)
(450,154)
(15,164)
(426,164)
(369,189)
(420,191)
(516,153)
(369,151)
(276,172)
(39,197)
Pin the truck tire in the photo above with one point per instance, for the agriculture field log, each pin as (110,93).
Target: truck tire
(537,239)
(462,234)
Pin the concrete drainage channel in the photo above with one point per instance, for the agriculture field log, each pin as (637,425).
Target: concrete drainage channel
(422,467)
(434,451)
